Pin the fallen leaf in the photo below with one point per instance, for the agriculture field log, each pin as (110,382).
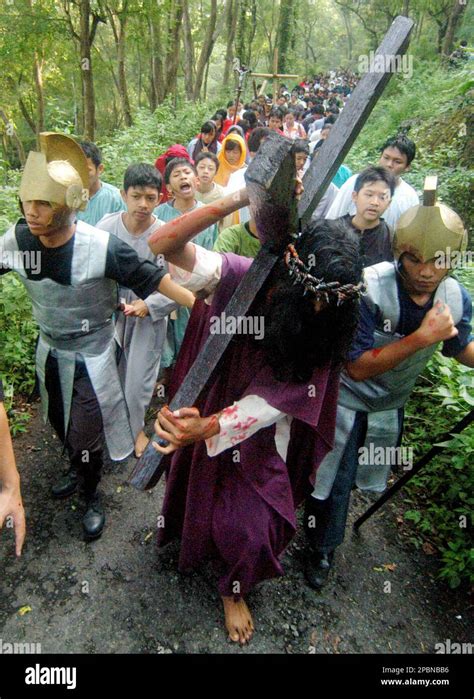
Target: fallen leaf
(378,570)
(119,489)
(24,610)
(428,548)
(389,566)
(148,536)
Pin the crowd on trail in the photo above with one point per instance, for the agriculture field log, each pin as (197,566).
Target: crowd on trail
(127,294)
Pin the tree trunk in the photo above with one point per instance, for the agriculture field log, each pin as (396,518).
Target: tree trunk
(347,22)
(156,63)
(420,24)
(232,13)
(453,23)
(122,76)
(172,53)
(27,116)
(38,81)
(118,21)
(11,131)
(206,50)
(206,76)
(241,34)
(253,30)
(284,34)
(188,53)
(86,70)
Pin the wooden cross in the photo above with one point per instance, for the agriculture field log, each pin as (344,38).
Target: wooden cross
(270,191)
(275,76)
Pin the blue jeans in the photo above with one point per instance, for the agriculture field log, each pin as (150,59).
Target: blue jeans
(331,514)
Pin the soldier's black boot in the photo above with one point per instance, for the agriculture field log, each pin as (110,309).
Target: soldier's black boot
(317,568)
(66,486)
(318,564)
(94,518)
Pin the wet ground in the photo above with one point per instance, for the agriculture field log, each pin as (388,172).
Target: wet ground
(119,595)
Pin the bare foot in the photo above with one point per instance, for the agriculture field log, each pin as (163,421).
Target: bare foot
(140,444)
(238,620)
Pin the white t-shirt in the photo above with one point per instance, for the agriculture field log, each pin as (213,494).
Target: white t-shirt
(235,183)
(403,198)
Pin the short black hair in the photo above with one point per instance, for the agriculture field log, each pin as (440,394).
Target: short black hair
(329,120)
(301,146)
(210,156)
(276,112)
(222,113)
(404,145)
(208,127)
(375,173)
(142,175)
(91,151)
(173,164)
(256,138)
(243,124)
(237,129)
(250,117)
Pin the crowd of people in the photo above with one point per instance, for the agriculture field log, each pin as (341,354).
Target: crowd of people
(352,312)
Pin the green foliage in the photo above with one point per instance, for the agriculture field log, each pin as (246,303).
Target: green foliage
(434,106)
(151,135)
(18,334)
(9,207)
(440,496)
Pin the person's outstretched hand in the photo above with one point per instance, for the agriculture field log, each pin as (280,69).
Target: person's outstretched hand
(11,506)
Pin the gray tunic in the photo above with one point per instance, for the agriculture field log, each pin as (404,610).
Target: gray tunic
(76,321)
(140,339)
(380,396)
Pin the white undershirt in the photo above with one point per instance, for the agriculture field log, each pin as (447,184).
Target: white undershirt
(246,416)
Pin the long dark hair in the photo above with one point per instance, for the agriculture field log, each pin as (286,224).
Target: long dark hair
(297,339)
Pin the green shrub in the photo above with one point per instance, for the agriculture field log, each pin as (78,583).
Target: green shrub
(440,496)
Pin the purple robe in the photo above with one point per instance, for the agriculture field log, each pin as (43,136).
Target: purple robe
(243,513)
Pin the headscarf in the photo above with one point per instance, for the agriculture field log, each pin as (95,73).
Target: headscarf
(225,168)
(176,151)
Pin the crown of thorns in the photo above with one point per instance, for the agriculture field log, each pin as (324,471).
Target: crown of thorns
(318,287)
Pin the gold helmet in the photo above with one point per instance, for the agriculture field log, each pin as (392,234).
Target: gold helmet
(57,174)
(429,229)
